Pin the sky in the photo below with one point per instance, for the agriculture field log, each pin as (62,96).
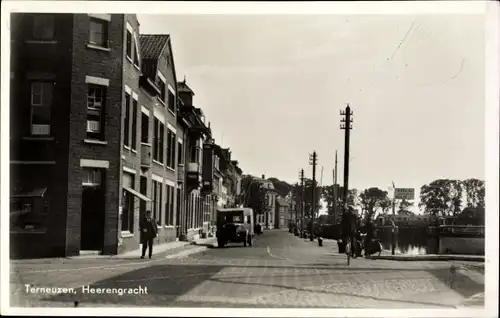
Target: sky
(272,87)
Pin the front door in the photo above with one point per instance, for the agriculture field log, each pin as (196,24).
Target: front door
(92,226)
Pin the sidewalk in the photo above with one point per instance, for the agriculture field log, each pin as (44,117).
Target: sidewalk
(172,248)
(165,250)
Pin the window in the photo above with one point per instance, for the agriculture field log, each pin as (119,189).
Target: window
(43,27)
(128,211)
(41,104)
(96,100)
(169,206)
(136,52)
(180,159)
(171,101)
(194,154)
(158,138)
(216,162)
(157,201)
(129,44)
(126,121)
(91,177)
(206,204)
(155,139)
(145,128)
(163,88)
(171,143)
(98,34)
(134,124)
(161,138)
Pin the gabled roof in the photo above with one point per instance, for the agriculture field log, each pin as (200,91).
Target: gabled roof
(152,45)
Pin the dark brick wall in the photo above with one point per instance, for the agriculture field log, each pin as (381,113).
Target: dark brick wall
(108,65)
(36,58)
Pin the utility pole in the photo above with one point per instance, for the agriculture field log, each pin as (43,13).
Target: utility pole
(346,125)
(335,195)
(313,161)
(393,245)
(301,176)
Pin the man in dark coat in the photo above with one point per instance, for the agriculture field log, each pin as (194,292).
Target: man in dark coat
(149,231)
(348,227)
(370,233)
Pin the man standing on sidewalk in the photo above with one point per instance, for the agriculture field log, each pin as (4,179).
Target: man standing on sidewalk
(149,231)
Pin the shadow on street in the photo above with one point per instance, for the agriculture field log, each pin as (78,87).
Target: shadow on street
(165,283)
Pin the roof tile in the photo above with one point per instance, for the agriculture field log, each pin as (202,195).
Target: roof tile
(152,45)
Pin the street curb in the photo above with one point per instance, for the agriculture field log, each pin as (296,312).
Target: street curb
(187,252)
(430,258)
(210,243)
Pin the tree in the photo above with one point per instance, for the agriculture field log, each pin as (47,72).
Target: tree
(328,196)
(282,187)
(474,193)
(308,193)
(370,200)
(252,193)
(403,206)
(442,197)
(385,205)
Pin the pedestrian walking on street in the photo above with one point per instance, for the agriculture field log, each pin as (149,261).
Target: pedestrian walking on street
(369,230)
(149,232)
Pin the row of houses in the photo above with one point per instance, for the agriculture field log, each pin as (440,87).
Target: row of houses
(102,130)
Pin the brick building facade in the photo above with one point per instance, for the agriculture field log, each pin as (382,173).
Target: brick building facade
(101,131)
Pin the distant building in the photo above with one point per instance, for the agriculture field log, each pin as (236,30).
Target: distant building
(268,217)
(282,213)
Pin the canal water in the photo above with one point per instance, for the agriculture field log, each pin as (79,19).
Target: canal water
(407,242)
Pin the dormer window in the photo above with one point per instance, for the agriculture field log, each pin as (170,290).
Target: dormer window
(161,82)
(136,52)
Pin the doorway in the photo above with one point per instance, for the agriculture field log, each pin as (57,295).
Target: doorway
(93,211)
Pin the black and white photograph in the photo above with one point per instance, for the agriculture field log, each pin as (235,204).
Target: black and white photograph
(250,159)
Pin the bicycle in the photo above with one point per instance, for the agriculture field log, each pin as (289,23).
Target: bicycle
(350,251)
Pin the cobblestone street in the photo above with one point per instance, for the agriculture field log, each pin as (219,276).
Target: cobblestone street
(280,270)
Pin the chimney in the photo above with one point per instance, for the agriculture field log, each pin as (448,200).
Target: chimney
(263,176)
